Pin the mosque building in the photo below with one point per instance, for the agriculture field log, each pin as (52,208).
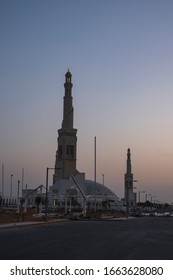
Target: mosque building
(68,182)
(69,185)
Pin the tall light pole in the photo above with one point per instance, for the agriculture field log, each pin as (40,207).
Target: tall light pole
(18,188)
(95,185)
(103,177)
(25,202)
(103,183)
(2,180)
(46,202)
(11,185)
(22,178)
(135,181)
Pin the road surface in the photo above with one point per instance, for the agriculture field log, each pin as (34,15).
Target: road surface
(136,239)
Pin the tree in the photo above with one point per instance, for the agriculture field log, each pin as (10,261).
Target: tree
(38,201)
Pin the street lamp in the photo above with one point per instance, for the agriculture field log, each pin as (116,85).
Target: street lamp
(46,202)
(18,187)
(103,177)
(11,184)
(103,182)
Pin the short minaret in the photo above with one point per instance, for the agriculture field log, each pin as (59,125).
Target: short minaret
(128,179)
(65,164)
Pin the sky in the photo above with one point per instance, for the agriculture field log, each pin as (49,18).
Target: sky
(120,54)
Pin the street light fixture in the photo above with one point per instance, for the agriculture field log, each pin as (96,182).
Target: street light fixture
(18,200)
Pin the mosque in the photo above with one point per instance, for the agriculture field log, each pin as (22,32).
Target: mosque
(68,183)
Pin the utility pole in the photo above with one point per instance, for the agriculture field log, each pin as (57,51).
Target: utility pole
(11,185)
(2,180)
(95,171)
(18,200)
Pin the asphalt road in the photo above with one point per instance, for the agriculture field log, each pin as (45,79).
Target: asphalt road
(149,238)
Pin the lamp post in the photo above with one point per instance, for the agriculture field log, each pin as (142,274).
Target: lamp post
(11,185)
(26,199)
(103,183)
(95,183)
(103,177)
(135,181)
(46,202)
(2,180)
(18,188)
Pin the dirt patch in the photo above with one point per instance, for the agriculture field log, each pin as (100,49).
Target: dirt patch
(10,216)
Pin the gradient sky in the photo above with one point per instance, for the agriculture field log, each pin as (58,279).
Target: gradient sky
(120,53)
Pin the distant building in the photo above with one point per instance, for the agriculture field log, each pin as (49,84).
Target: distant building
(129,194)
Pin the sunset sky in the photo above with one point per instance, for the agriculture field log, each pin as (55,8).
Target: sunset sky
(120,54)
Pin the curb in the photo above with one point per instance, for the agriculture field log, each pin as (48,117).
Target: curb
(30,223)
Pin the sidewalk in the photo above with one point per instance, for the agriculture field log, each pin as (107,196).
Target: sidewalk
(122,219)
(7,225)
(111,218)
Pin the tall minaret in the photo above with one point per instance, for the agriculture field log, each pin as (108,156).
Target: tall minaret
(65,164)
(128,178)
